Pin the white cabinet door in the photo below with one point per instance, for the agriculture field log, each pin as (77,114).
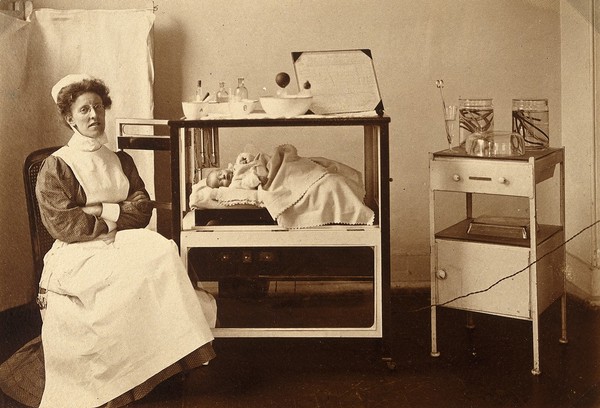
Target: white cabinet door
(465,267)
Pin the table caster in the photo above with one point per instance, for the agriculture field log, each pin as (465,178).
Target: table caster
(391,364)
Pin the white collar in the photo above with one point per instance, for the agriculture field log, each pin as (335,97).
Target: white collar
(86,144)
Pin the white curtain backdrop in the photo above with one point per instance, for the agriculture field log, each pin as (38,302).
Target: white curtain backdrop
(114,45)
(110,44)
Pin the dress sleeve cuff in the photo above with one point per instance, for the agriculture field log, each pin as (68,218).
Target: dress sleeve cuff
(111,225)
(110,212)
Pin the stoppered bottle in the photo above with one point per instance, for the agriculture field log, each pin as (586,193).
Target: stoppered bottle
(222,94)
(241,92)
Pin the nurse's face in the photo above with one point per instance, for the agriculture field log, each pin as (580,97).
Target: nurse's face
(87,115)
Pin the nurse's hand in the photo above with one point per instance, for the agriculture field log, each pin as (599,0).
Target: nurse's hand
(137,196)
(139,201)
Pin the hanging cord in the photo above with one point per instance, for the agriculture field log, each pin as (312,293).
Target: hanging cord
(511,275)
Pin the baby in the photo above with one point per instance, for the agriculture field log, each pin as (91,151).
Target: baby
(219,178)
(247,173)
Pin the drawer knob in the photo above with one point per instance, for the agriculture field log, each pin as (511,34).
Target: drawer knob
(456,177)
(502,180)
(441,274)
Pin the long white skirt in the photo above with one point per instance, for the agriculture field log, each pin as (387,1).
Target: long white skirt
(117,313)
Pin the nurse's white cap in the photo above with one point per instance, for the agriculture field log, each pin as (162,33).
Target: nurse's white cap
(66,81)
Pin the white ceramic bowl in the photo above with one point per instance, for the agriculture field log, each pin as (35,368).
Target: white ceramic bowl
(241,108)
(194,110)
(287,107)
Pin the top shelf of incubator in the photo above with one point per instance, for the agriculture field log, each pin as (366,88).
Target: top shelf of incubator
(259,120)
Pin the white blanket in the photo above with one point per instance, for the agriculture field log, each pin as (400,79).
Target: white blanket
(300,192)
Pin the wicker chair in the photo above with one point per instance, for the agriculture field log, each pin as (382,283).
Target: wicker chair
(41,240)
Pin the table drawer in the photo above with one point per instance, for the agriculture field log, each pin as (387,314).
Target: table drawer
(465,267)
(478,176)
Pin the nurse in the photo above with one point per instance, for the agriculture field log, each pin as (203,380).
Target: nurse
(121,314)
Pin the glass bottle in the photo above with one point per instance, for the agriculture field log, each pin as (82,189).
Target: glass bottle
(199,95)
(530,120)
(241,92)
(222,94)
(474,116)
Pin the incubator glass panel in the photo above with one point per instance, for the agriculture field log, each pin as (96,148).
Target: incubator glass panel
(288,287)
(208,149)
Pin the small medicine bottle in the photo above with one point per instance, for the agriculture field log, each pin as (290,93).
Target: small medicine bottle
(241,92)
(199,94)
(222,94)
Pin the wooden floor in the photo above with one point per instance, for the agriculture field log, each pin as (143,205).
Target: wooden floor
(488,366)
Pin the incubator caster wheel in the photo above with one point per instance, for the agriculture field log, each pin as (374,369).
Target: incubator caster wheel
(391,364)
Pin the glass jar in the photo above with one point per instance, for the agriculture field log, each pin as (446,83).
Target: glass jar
(474,116)
(530,120)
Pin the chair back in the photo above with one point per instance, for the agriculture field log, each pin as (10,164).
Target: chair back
(41,240)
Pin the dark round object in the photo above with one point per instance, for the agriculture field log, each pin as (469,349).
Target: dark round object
(282,79)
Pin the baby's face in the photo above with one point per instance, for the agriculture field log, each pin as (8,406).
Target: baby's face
(219,178)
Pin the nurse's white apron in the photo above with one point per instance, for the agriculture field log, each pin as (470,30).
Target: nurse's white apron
(118,312)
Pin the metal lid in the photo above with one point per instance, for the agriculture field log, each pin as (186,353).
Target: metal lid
(530,104)
(475,102)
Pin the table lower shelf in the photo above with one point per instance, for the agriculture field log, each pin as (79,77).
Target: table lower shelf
(459,230)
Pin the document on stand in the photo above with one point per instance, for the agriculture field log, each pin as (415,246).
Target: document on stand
(341,81)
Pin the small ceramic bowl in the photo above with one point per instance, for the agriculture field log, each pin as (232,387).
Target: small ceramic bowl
(194,110)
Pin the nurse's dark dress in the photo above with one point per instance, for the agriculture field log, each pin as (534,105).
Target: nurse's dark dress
(121,312)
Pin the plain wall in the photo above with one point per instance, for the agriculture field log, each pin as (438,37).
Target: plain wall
(486,48)
(499,49)
(580,50)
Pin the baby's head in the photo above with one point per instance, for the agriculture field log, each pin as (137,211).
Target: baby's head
(219,178)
